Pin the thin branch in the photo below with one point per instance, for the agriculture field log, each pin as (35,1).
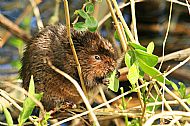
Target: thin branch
(123,22)
(37,14)
(13,28)
(108,105)
(134,20)
(3,124)
(178,55)
(38,103)
(178,2)
(174,102)
(188,6)
(6,96)
(166,36)
(109,14)
(117,25)
(124,43)
(176,67)
(140,97)
(164,102)
(174,96)
(175,120)
(18,20)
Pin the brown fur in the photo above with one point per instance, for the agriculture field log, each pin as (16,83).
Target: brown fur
(52,42)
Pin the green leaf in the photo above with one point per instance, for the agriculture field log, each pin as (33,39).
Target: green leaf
(154,73)
(133,56)
(124,103)
(29,104)
(90,8)
(187,96)
(128,60)
(27,20)
(137,46)
(46,118)
(133,74)
(149,59)
(16,42)
(80,26)
(91,23)
(135,122)
(182,90)
(28,107)
(116,36)
(8,116)
(150,48)
(114,82)
(31,89)
(188,101)
(16,63)
(82,13)
(141,73)
(25,24)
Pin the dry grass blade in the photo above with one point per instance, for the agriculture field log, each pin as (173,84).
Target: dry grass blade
(121,37)
(188,6)
(37,14)
(134,20)
(166,36)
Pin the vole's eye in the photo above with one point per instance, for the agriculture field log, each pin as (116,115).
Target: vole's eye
(97,57)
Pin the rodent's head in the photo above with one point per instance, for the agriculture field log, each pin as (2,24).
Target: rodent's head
(96,56)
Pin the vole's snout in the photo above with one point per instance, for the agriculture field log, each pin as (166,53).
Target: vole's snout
(117,75)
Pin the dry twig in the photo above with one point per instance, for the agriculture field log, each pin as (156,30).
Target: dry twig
(121,37)
(18,20)
(13,28)
(37,14)
(166,36)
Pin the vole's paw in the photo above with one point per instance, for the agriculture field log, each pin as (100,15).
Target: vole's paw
(62,106)
(106,81)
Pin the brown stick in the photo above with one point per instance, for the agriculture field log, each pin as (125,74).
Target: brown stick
(13,28)
(26,11)
(179,55)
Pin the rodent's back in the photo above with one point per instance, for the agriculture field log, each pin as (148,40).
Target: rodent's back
(96,57)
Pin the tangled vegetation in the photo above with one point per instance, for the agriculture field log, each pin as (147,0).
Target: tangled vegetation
(140,66)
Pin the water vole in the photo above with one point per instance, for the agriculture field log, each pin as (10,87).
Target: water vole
(96,57)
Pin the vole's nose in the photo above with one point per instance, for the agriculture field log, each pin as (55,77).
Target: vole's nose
(117,75)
